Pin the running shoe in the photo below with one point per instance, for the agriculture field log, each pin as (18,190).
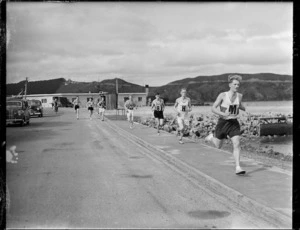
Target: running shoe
(209,137)
(181,142)
(239,171)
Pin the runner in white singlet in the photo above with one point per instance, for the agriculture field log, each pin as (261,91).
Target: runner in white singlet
(76,103)
(230,103)
(102,107)
(183,107)
(129,106)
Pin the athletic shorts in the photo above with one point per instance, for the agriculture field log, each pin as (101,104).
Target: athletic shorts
(158,114)
(76,107)
(90,108)
(129,113)
(230,127)
(101,110)
(182,121)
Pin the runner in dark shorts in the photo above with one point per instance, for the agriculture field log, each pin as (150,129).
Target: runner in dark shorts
(228,126)
(90,106)
(158,107)
(76,103)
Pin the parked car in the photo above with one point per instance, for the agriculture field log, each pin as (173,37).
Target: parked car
(17,111)
(36,108)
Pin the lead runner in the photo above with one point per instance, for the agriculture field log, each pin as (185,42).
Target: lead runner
(230,103)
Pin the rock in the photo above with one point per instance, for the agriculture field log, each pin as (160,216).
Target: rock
(168,128)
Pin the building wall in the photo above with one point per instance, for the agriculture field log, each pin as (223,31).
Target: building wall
(46,100)
(138,99)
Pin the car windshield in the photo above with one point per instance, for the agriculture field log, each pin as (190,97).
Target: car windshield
(34,103)
(14,103)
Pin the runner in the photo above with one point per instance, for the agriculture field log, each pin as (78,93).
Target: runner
(76,103)
(90,106)
(230,103)
(158,107)
(102,106)
(55,105)
(183,107)
(129,106)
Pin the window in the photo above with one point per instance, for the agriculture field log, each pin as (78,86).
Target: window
(126,98)
(140,98)
(44,100)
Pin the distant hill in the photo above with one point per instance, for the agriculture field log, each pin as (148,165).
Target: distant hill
(35,87)
(61,85)
(254,87)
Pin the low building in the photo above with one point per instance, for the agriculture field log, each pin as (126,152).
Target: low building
(47,99)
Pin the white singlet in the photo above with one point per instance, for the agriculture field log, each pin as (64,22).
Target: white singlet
(183,106)
(231,107)
(158,104)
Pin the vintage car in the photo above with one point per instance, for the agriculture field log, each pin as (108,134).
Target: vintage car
(17,111)
(35,108)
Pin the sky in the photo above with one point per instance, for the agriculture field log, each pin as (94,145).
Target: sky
(146,43)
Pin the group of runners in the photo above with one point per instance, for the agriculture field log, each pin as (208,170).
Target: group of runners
(227,107)
(90,105)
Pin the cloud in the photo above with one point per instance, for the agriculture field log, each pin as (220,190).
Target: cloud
(155,40)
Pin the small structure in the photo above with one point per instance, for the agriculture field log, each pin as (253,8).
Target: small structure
(139,98)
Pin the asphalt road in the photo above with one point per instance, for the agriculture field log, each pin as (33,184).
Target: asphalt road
(81,174)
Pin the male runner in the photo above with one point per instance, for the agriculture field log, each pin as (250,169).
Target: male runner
(76,103)
(230,103)
(55,105)
(102,106)
(90,106)
(158,107)
(182,106)
(129,106)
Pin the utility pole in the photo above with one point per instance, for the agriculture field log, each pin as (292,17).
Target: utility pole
(117,91)
(25,92)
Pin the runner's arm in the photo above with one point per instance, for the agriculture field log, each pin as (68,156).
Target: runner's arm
(125,106)
(217,103)
(163,105)
(242,107)
(152,106)
(190,105)
(175,105)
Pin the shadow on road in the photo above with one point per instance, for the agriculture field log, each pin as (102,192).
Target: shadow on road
(116,117)
(51,124)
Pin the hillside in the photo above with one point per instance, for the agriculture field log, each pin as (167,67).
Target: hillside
(60,85)
(255,87)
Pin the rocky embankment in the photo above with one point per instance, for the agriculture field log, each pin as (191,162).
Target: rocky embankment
(252,145)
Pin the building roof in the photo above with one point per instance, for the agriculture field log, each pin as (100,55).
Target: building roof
(134,93)
(65,94)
